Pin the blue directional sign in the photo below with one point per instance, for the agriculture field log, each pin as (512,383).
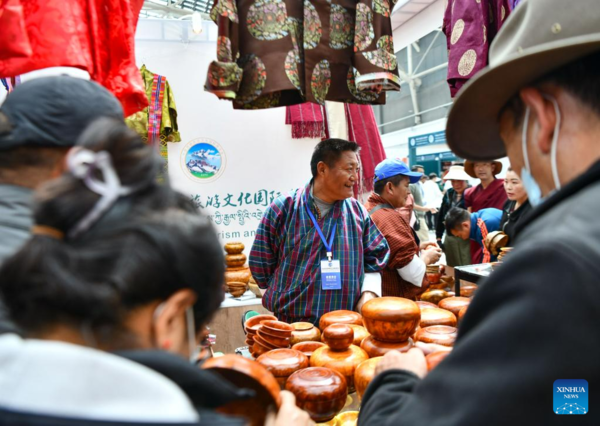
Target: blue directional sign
(427,139)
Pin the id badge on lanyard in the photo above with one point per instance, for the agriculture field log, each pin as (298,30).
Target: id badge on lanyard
(331,274)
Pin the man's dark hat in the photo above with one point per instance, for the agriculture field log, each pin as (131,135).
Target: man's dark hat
(53,111)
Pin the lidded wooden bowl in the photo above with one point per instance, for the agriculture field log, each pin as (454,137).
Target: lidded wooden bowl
(364,374)
(320,391)
(462,313)
(240,275)
(375,348)
(340,317)
(391,319)
(437,316)
(338,337)
(344,362)
(234,247)
(434,296)
(468,290)
(434,358)
(360,333)
(283,362)
(425,305)
(305,332)
(454,304)
(438,334)
(244,373)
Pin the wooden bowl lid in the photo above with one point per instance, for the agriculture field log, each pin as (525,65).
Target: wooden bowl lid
(454,304)
(283,362)
(245,374)
(338,336)
(340,317)
(302,326)
(392,309)
(437,316)
(425,305)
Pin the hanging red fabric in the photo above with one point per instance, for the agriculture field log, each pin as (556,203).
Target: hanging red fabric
(307,120)
(362,129)
(14,42)
(93,35)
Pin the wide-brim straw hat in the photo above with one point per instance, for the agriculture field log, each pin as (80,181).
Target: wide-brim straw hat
(470,168)
(456,173)
(538,37)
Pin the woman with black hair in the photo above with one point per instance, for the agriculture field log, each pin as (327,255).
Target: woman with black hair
(117,263)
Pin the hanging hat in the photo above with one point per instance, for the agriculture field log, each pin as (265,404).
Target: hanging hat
(470,167)
(538,37)
(456,173)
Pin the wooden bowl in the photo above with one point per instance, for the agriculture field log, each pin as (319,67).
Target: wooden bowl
(244,373)
(278,342)
(347,418)
(338,337)
(249,340)
(364,374)
(360,334)
(235,260)
(263,342)
(437,316)
(468,290)
(321,392)
(253,323)
(258,349)
(344,362)
(305,332)
(434,296)
(307,348)
(454,304)
(425,305)
(376,348)
(283,362)
(340,317)
(234,247)
(240,275)
(277,329)
(462,313)
(438,334)
(391,319)
(434,358)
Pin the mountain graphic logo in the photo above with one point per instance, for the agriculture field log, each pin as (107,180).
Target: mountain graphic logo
(570,397)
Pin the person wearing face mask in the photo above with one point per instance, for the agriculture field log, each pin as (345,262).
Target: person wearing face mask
(404,275)
(457,250)
(316,249)
(120,274)
(534,321)
(517,205)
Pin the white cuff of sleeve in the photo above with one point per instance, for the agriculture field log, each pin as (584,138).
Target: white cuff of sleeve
(372,283)
(413,272)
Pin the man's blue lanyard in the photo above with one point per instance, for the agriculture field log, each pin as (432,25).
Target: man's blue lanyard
(328,245)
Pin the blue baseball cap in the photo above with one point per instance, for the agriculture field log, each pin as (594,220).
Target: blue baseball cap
(388,168)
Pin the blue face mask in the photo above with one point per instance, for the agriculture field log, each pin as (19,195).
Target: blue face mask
(534,193)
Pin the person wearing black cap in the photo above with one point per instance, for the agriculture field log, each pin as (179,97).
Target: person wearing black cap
(39,122)
(527,349)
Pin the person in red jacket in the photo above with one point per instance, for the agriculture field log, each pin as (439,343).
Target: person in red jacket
(488,194)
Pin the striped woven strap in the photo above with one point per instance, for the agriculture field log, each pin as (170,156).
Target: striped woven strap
(155,109)
(484,233)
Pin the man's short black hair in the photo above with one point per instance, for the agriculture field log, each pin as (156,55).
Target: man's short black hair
(416,168)
(329,151)
(455,217)
(579,78)
(380,185)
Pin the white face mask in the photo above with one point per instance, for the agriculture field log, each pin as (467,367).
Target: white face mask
(534,193)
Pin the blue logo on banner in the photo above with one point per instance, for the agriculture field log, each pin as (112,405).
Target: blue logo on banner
(571,396)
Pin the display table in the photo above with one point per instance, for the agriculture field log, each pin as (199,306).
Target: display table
(470,273)
(227,322)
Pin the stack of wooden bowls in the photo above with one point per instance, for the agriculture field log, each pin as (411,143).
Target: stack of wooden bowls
(237,274)
(251,326)
(273,335)
(391,321)
(339,354)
